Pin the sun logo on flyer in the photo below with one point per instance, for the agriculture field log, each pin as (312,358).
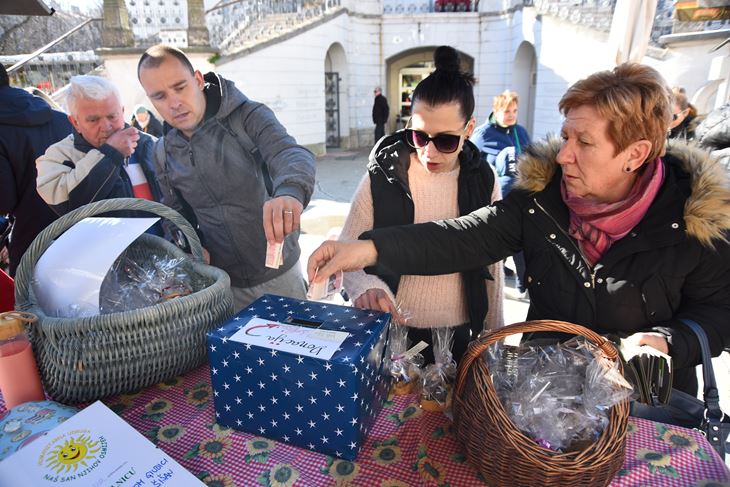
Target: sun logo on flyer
(73,455)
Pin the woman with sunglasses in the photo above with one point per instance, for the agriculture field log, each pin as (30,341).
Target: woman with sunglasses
(429,171)
(618,235)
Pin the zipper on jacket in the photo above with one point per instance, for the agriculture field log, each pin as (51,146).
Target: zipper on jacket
(570,239)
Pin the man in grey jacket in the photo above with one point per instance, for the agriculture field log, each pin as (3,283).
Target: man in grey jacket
(230,167)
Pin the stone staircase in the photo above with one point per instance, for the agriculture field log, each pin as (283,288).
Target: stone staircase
(245,25)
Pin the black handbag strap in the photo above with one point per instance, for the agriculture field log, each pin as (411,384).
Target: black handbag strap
(713,414)
(708,373)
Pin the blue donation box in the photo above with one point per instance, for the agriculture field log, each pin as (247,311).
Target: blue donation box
(302,372)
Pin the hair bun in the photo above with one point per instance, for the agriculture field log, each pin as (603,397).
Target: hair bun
(447,59)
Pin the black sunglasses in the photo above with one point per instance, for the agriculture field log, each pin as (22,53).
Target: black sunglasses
(444,143)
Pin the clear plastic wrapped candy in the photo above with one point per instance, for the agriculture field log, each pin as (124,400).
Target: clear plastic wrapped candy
(404,364)
(131,284)
(438,378)
(558,394)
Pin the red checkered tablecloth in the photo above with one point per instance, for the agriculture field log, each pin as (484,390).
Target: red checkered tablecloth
(407,447)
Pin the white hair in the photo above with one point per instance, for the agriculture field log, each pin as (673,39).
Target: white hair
(89,88)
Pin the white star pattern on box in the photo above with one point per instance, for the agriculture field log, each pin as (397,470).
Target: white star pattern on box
(310,417)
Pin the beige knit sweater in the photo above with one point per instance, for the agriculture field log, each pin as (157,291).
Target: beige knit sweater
(432,301)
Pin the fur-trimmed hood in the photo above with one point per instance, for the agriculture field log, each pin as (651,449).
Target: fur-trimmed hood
(706,212)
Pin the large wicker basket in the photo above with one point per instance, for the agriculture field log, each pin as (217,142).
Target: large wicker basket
(84,359)
(502,453)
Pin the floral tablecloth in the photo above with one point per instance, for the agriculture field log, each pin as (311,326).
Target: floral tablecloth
(407,447)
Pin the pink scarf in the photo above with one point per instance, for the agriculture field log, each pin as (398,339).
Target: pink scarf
(597,225)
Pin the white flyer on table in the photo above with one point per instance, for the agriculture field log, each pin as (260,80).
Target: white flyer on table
(68,276)
(94,448)
(292,338)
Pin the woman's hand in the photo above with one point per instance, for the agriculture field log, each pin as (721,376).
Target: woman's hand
(652,339)
(376,299)
(332,256)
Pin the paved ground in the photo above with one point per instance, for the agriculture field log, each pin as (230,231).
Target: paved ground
(338,174)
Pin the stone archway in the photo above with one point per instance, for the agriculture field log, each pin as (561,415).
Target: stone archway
(524,80)
(337,115)
(403,71)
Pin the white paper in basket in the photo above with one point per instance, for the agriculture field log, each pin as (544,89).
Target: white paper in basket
(68,276)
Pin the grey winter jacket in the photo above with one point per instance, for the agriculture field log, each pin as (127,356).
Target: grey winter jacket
(213,180)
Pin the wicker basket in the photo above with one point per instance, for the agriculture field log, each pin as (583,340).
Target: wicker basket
(84,359)
(506,456)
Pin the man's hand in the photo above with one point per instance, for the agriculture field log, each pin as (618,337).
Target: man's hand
(652,339)
(206,256)
(332,256)
(124,141)
(281,217)
(376,299)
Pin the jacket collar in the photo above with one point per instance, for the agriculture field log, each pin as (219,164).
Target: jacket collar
(493,122)
(706,211)
(80,143)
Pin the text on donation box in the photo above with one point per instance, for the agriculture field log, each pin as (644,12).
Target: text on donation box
(292,338)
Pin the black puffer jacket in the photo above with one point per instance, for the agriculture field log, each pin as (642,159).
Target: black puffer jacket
(393,205)
(674,264)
